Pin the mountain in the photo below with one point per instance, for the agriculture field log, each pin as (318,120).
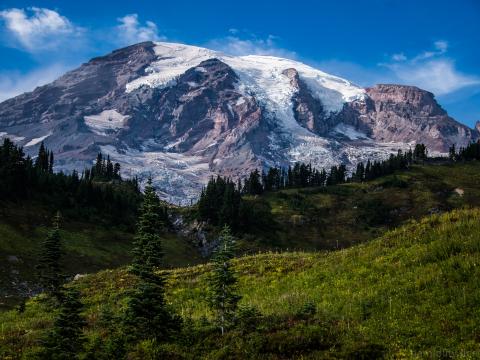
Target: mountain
(182,113)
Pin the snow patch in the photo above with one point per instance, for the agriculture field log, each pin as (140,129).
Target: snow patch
(37,140)
(240,101)
(177,178)
(256,72)
(107,120)
(349,131)
(14,138)
(173,61)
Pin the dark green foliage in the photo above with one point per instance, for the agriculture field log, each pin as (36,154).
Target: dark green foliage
(65,341)
(49,268)
(220,203)
(248,318)
(105,196)
(103,170)
(470,152)
(147,315)
(367,352)
(420,153)
(308,309)
(222,282)
(373,170)
(253,184)
(374,211)
(147,247)
(44,161)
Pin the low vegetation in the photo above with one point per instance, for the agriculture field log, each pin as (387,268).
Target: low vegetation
(412,293)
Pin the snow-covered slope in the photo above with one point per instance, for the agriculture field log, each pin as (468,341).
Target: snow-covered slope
(259,75)
(181,114)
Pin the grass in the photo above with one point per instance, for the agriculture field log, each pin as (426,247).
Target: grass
(88,248)
(412,293)
(349,214)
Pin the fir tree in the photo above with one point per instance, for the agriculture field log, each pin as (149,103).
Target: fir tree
(222,282)
(50,163)
(147,247)
(65,340)
(147,316)
(42,161)
(49,267)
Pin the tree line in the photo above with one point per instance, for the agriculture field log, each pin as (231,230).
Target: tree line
(221,201)
(97,193)
(469,152)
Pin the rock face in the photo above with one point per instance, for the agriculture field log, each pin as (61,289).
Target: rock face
(401,113)
(182,114)
(307,109)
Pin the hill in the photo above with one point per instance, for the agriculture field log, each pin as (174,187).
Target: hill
(338,216)
(307,219)
(89,247)
(411,293)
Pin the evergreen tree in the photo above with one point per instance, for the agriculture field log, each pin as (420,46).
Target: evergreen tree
(147,247)
(42,161)
(50,163)
(222,282)
(147,316)
(49,267)
(65,340)
(420,152)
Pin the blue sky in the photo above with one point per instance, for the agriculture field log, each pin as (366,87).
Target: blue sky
(432,44)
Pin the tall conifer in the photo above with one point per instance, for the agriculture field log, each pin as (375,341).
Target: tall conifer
(223,282)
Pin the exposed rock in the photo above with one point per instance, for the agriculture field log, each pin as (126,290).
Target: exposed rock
(402,113)
(13,259)
(218,114)
(460,192)
(308,110)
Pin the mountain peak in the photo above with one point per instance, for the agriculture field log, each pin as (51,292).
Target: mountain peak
(182,113)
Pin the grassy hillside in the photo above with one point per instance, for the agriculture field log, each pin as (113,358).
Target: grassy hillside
(413,293)
(294,219)
(339,216)
(89,247)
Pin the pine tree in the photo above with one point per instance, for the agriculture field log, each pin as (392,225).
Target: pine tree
(147,247)
(41,163)
(147,316)
(50,163)
(222,282)
(65,340)
(49,267)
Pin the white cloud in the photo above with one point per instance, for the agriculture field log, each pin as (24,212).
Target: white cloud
(249,45)
(399,57)
(36,29)
(441,46)
(16,83)
(131,31)
(438,76)
(431,70)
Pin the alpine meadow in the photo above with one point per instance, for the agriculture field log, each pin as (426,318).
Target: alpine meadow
(239,181)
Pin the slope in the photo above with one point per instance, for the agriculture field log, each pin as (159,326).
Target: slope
(344,215)
(412,293)
(89,246)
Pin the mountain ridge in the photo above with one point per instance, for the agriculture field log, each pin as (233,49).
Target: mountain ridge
(181,114)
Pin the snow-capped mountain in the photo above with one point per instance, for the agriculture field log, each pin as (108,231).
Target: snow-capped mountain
(182,113)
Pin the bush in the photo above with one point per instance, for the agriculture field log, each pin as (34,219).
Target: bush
(248,318)
(308,309)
